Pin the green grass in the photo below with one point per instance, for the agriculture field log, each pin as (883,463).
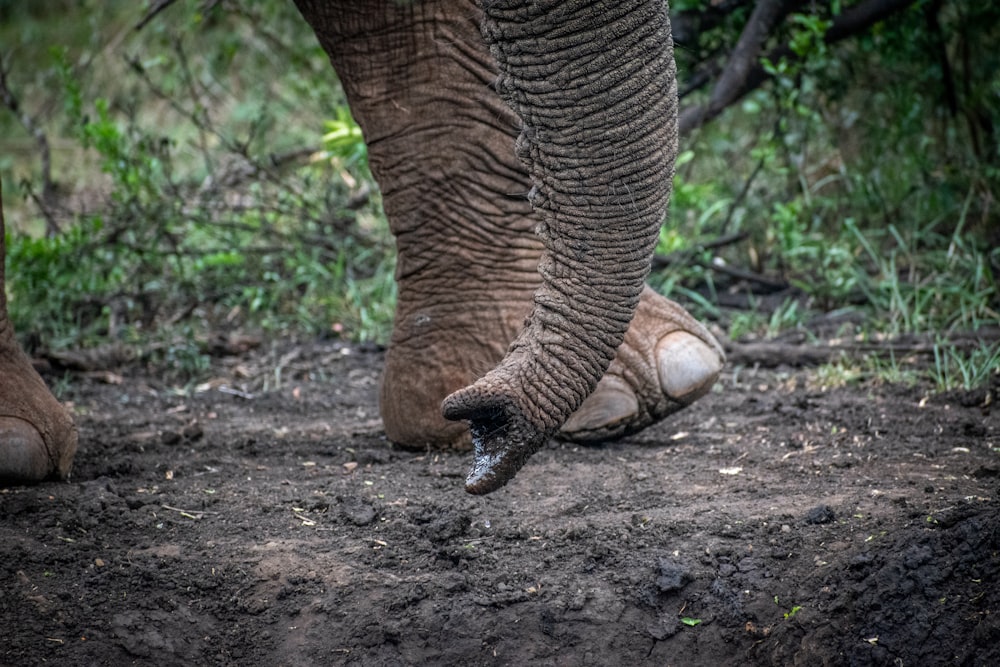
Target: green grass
(954,369)
(855,187)
(174,131)
(861,191)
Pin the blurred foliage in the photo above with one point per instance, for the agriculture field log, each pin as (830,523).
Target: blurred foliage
(209,176)
(217,203)
(864,174)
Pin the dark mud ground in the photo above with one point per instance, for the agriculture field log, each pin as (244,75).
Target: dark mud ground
(773,523)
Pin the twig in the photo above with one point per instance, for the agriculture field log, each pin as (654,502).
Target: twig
(224,389)
(698,80)
(196,119)
(724,240)
(777,353)
(745,274)
(690,256)
(684,256)
(190,514)
(743,193)
(687,23)
(157,7)
(202,119)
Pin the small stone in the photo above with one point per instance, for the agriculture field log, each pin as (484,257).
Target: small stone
(820,514)
(359,512)
(672,577)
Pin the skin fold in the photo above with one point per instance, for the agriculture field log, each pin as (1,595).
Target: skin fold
(525,155)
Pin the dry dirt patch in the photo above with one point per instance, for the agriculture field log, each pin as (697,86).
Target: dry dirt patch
(772,523)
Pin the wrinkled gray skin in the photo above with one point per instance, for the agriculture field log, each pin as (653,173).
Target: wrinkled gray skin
(524,222)
(590,87)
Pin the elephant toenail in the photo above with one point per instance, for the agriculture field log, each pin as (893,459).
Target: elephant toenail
(23,455)
(687,365)
(611,403)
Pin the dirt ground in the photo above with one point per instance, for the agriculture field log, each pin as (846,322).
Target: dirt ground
(263,519)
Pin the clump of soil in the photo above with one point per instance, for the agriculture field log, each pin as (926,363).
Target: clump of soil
(772,523)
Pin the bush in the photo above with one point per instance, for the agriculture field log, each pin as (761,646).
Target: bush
(214,211)
(863,174)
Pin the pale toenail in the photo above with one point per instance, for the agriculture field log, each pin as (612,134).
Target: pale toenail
(688,366)
(22,452)
(611,403)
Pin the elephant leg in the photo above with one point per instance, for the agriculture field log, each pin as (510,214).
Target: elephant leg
(37,436)
(440,145)
(419,80)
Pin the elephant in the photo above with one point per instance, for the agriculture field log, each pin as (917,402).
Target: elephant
(525,152)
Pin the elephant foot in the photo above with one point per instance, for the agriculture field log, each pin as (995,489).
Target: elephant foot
(437,349)
(37,436)
(667,361)
(23,455)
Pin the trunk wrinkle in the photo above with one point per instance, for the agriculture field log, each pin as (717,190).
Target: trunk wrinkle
(594,85)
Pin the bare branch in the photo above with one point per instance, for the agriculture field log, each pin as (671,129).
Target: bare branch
(766,16)
(155,9)
(46,203)
(738,79)
(680,257)
(687,24)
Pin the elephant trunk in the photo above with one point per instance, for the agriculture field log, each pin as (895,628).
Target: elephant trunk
(594,84)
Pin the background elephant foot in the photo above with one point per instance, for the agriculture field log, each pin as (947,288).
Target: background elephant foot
(668,361)
(37,436)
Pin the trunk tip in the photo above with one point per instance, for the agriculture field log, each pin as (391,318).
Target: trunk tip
(502,436)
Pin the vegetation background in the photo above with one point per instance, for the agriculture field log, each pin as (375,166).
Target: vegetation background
(175,176)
